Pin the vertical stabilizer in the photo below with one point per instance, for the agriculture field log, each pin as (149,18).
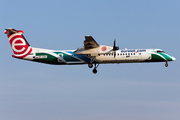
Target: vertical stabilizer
(20,46)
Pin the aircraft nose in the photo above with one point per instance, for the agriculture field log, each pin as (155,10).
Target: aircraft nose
(173,58)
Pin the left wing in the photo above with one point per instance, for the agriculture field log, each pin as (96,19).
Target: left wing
(90,43)
(92,48)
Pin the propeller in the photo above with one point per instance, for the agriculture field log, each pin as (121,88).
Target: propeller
(115,48)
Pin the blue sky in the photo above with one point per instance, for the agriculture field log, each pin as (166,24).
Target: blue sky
(30,90)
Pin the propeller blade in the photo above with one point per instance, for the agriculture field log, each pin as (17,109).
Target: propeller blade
(114,44)
(115,48)
(114,54)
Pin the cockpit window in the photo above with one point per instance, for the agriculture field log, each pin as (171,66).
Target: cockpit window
(160,51)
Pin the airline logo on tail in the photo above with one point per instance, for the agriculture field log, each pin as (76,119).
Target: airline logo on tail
(18,43)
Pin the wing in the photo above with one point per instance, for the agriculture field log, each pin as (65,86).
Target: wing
(90,43)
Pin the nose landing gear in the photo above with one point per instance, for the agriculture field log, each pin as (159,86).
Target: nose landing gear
(166,65)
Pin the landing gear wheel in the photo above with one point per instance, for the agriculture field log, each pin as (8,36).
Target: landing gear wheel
(166,64)
(90,65)
(94,71)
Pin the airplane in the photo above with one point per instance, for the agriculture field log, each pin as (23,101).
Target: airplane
(92,53)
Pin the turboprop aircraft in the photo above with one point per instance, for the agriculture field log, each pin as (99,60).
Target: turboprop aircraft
(92,53)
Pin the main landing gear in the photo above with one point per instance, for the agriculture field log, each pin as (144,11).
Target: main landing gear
(90,65)
(166,64)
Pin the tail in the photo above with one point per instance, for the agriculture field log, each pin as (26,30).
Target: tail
(20,46)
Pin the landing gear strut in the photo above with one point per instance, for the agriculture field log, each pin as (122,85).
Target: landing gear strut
(90,65)
(95,70)
(166,64)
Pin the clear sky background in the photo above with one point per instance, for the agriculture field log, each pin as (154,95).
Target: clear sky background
(35,91)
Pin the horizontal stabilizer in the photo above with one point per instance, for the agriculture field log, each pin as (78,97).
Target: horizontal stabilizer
(12,31)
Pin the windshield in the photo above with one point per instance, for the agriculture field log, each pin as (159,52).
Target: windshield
(160,51)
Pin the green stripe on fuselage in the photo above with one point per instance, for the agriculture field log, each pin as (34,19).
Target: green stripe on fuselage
(55,58)
(160,57)
(155,57)
(49,60)
(66,57)
(168,58)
